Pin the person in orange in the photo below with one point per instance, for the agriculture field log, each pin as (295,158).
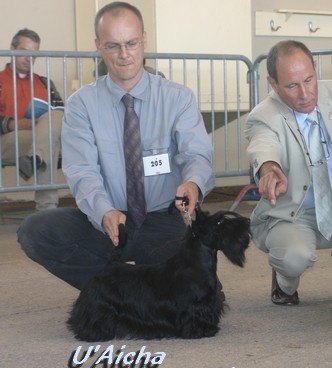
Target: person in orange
(13,121)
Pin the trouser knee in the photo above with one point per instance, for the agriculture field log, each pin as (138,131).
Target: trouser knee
(26,236)
(292,262)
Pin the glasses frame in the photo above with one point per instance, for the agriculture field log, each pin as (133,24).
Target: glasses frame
(115,48)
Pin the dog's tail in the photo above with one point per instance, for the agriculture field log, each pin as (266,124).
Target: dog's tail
(117,252)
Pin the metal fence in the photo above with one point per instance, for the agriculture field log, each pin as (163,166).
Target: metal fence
(227,87)
(221,84)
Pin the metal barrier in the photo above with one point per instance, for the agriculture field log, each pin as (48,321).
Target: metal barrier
(222,84)
(226,87)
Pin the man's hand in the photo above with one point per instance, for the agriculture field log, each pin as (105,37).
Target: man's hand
(111,221)
(22,124)
(272,182)
(189,190)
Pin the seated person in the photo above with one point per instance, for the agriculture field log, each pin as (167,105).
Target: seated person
(26,39)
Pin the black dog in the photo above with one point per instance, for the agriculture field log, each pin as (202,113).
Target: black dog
(181,297)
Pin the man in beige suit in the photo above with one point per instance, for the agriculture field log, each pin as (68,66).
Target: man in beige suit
(284,222)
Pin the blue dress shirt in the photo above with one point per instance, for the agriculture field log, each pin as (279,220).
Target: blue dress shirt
(92,143)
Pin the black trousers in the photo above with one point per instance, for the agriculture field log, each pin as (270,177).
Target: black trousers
(64,242)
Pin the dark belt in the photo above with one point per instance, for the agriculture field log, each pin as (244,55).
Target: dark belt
(163,210)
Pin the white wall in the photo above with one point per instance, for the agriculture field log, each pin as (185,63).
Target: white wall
(188,26)
(211,26)
(262,44)
(53,20)
(183,26)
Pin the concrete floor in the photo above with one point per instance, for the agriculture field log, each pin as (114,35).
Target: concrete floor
(254,333)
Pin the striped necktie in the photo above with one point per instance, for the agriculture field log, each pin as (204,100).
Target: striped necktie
(134,163)
(320,178)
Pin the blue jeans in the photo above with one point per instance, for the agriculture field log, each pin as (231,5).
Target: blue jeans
(64,242)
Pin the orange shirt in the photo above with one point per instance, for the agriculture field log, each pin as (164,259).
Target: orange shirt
(23,92)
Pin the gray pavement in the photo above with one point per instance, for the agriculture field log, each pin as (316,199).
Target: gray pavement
(254,333)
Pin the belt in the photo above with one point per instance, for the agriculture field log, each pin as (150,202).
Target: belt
(163,210)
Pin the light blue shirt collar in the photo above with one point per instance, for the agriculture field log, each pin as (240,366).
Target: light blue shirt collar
(140,91)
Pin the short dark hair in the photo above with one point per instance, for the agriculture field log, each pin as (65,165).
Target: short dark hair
(287,47)
(25,32)
(116,8)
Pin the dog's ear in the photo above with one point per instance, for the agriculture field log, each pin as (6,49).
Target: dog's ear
(234,232)
(198,209)
(200,216)
(122,235)
(171,207)
(199,224)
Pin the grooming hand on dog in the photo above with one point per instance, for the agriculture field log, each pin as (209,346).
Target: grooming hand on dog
(181,297)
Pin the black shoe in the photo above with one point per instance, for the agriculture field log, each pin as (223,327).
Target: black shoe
(26,166)
(279,297)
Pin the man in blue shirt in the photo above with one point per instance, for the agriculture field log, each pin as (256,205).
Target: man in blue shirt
(75,244)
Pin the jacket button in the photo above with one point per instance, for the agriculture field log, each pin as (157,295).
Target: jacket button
(292,214)
(305,187)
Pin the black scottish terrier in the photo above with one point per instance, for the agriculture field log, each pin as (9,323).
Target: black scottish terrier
(181,297)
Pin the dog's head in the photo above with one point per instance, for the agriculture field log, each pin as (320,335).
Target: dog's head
(226,231)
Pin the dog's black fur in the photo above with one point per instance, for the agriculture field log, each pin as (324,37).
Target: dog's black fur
(181,297)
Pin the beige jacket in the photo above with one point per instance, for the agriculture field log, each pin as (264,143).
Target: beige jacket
(273,135)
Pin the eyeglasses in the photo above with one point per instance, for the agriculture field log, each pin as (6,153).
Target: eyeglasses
(113,48)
